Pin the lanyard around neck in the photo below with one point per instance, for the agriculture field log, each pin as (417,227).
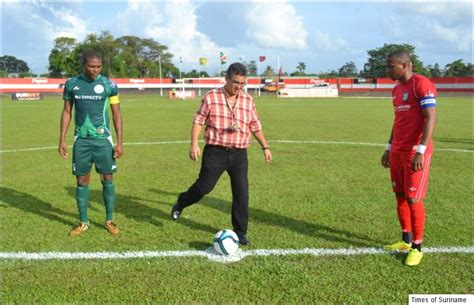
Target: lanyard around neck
(231,108)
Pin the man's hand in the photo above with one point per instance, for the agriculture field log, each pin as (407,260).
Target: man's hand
(385,161)
(194,152)
(417,162)
(62,149)
(268,155)
(118,151)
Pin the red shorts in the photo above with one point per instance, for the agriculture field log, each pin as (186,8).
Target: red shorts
(404,179)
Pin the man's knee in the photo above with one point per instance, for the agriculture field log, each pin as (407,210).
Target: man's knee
(400,194)
(82,180)
(203,188)
(107,177)
(413,200)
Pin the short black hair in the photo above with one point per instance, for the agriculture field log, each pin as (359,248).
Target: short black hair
(236,69)
(90,54)
(401,54)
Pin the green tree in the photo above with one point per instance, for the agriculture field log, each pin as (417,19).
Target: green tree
(301,68)
(139,57)
(195,74)
(328,74)
(11,64)
(126,56)
(376,64)
(104,43)
(457,68)
(251,67)
(469,70)
(61,58)
(349,69)
(268,72)
(434,71)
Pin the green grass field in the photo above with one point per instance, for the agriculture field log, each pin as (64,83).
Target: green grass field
(326,194)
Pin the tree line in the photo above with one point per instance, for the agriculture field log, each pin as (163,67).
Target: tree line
(135,57)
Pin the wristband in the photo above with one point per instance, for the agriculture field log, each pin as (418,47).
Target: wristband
(421,149)
(265,147)
(388,147)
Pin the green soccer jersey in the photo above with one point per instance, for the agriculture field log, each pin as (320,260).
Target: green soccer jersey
(92,99)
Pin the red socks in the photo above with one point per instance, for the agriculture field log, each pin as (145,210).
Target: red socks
(403,211)
(417,211)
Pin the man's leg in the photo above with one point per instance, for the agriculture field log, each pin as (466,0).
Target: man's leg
(238,172)
(417,212)
(417,216)
(214,163)
(403,211)
(82,200)
(109,196)
(105,165)
(82,197)
(417,186)
(81,166)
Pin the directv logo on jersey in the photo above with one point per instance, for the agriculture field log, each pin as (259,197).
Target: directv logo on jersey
(88,97)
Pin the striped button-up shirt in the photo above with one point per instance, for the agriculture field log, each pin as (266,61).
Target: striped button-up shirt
(228,125)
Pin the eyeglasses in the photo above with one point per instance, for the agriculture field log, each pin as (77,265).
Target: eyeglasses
(237,83)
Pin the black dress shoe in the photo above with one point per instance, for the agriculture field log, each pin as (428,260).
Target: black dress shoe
(243,239)
(175,212)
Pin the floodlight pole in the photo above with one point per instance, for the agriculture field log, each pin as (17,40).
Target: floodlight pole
(259,80)
(161,80)
(181,79)
(199,79)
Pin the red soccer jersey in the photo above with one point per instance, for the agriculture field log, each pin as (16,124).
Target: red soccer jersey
(408,101)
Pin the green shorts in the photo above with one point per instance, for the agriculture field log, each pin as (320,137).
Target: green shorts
(92,150)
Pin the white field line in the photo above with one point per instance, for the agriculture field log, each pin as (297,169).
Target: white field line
(212,255)
(273,141)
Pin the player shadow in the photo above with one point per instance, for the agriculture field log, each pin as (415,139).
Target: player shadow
(129,206)
(310,229)
(199,245)
(31,204)
(132,207)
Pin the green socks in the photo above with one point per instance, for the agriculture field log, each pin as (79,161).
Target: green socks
(82,199)
(108,193)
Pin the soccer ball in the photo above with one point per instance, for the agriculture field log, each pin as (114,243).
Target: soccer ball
(226,242)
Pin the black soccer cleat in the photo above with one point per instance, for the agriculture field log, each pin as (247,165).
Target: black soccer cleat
(175,212)
(243,240)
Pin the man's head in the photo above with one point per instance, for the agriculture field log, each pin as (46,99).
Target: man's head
(399,66)
(92,61)
(236,78)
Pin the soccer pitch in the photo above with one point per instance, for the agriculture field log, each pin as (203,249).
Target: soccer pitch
(322,209)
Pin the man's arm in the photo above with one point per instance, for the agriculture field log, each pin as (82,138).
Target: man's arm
(264,144)
(428,130)
(194,151)
(386,155)
(63,127)
(117,118)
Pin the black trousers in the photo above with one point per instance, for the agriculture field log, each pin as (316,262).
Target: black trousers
(216,160)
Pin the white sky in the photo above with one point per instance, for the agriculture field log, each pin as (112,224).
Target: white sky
(321,34)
